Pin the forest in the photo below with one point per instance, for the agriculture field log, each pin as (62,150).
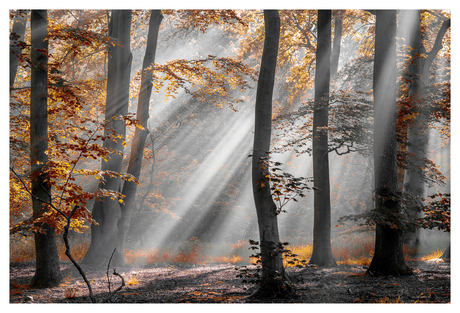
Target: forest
(229,156)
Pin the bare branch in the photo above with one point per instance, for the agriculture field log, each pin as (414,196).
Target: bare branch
(438,42)
(111,294)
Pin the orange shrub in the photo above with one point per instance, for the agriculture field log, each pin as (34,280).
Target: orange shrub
(303,252)
(432,255)
(22,249)
(355,248)
(78,249)
(225,259)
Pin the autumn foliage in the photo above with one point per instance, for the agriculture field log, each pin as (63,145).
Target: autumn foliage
(195,164)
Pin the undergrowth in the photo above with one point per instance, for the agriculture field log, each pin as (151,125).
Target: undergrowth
(22,249)
(355,249)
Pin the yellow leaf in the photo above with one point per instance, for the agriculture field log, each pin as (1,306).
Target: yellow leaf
(262,185)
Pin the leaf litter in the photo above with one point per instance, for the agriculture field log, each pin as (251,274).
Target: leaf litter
(217,283)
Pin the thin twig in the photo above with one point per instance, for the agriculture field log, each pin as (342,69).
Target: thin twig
(65,235)
(108,266)
(111,294)
(75,263)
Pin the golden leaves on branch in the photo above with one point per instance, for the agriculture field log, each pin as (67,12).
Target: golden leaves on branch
(210,79)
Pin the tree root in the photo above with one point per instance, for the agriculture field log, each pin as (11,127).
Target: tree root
(279,288)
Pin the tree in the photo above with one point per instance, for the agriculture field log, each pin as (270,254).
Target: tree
(336,44)
(72,128)
(209,79)
(17,42)
(418,134)
(388,255)
(141,132)
(107,211)
(47,273)
(273,274)
(322,251)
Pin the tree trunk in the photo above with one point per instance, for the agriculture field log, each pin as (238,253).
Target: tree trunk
(273,274)
(16,37)
(107,212)
(47,273)
(140,135)
(322,251)
(336,45)
(446,255)
(418,134)
(388,255)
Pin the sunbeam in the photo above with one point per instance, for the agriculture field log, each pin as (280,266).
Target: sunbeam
(151,123)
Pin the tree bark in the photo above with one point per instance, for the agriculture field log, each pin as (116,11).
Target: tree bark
(336,45)
(140,135)
(107,211)
(388,255)
(446,254)
(16,37)
(322,251)
(418,134)
(272,262)
(47,273)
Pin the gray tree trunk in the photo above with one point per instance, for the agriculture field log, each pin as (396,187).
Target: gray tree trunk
(418,134)
(322,250)
(107,212)
(140,135)
(446,255)
(47,273)
(336,45)
(272,262)
(16,36)
(388,255)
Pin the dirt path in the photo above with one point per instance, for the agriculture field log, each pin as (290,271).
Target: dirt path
(217,283)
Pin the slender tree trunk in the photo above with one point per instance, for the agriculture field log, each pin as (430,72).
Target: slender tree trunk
(336,45)
(107,212)
(388,255)
(418,133)
(16,39)
(446,254)
(140,135)
(47,273)
(272,262)
(322,251)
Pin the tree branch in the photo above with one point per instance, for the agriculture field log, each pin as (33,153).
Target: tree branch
(303,31)
(438,42)
(65,235)
(111,294)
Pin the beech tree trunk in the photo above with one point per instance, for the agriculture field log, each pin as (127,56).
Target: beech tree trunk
(388,255)
(446,254)
(16,37)
(418,133)
(336,44)
(322,250)
(107,212)
(47,272)
(140,135)
(273,273)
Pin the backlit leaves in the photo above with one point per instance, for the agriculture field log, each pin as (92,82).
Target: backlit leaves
(284,187)
(211,79)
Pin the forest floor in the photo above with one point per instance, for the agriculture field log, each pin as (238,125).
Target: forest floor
(217,283)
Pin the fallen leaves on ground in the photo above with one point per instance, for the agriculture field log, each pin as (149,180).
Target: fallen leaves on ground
(217,283)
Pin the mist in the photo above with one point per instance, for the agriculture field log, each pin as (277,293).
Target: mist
(202,165)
